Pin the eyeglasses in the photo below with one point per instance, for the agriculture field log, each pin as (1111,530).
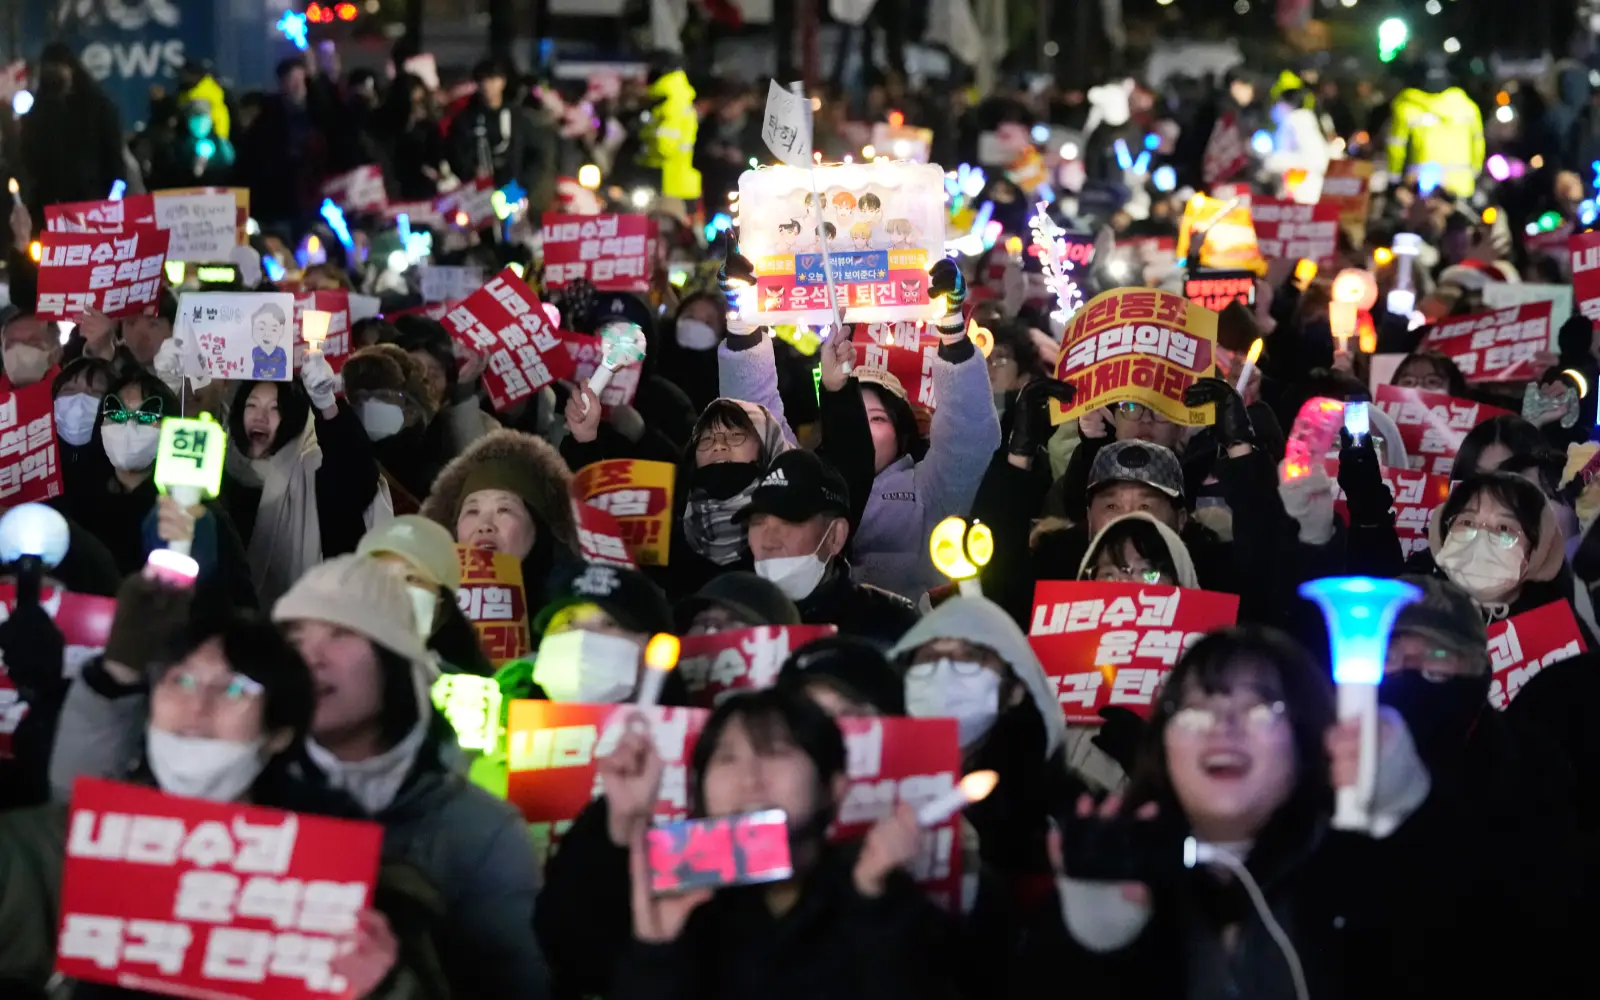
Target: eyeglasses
(1256,718)
(1429,383)
(732,439)
(237,690)
(1123,574)
(961,668)
(1500,535)
(996,360)
(149,411)
(1133,411)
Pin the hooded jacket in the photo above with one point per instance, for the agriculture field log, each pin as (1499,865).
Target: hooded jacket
(1444,128)
(1176,550)
(669,137)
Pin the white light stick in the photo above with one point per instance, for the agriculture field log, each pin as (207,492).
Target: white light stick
(186,497)
(16,191)
(1402,299)
(621,344)
(1049,238)
(660,656)
(314,328)
(975,787)
(1249,366)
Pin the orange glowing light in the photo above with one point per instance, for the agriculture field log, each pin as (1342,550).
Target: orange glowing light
(346,11)
(896,119)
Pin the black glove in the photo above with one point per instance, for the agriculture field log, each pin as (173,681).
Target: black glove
(1030,421)
(150,615)
(575,300)
(1120,735)
(1233,417)
(33,649)
(945,278)
(735,267)
(1365,496)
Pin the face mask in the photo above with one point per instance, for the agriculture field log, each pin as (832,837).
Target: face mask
(26,364)
(796,576)
(75,417)
(591,668)
(426,604)
(130,446)
(200,768)
(381,420)
(1480,567)
(723,480)
(1439,713)
(970,695)
(695,335)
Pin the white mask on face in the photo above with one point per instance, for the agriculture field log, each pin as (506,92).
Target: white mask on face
(26,364)
(426,604)
(796,576)
(591,668)
(971,696)
(75,417)
(200,768)
(381,419)
(695,335)
(130,446)
(1480,567)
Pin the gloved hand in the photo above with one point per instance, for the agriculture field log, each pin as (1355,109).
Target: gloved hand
(1233,417)
(320,381)
(150,615)
(1120,735)
(945,278)
(735,274)
(575,301)
(1366,496)
(33,649)
(1030,425)
(1309,500)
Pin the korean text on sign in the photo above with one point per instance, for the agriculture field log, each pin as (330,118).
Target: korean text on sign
(1416,494)
(504,321)
(1286,230)
(608,251)
(237,335)
(117,275)
(1498,346)
(197,898)
(30,466)
(359,190)
(1521,646)
(1584,251)
(493,599)
(639,495)
(599,536)
(890,761)
(336,348)
(84,622)
(106,216)
(740,659)
(1432,424)
(1107,644)
(551,750)
(1215,289)
(1141,346)
(904,350)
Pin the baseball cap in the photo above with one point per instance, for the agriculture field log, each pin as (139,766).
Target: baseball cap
(855,668)
(624,593)
(797,487)
(881,377)
(1138,462)
(748,597)
(1446,617)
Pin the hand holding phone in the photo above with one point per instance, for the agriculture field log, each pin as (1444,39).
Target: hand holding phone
(1356,420)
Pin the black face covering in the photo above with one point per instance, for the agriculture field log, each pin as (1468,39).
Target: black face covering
(1439,713)
(723,480)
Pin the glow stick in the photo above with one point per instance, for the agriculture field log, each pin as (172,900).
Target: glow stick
(16,191)
(660,656)
(1402,299)
(975,787)
(314,328)
(1249,366)
(621,344)
(1049,238)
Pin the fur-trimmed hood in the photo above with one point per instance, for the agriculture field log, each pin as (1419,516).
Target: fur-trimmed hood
(552,499)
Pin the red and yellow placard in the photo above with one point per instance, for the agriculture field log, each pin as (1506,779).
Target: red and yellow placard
(493,599)
(639,495)
(1229,235)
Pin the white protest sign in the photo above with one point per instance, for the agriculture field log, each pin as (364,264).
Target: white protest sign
(1500,294)
(204,227)
(364,307)
(236,335)
(449,283)
(786,128)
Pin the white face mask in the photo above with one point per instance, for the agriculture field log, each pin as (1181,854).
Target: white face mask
(130,446)
(200,768)
(26,364)
(381,419)
(75,417)
(426,604)
(967,692)
(695,335)
(796,576)
(591,668)
(1480,567)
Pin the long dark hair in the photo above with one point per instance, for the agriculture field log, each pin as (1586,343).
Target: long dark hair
(770,716)
(1525,442)
(294,409)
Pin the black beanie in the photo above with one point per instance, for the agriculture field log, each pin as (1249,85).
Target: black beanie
(853,667)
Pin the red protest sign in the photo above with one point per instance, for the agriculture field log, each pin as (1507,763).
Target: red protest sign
(600,537)
(1584,249)
(1432,424)
(103,216)
(1215,289)
(1226,153)
(586,352)
(358,190)
(740,659)
(1287,230)
(608,251)
(503,320)
(210,899)
(639,495)
(551,749)
(890,761)
(336,348)
(1112,643)
(493,599)
(117,275)
(1498,346)
(1416,494)
(905,350)
(1523,645)
(30,466)
(84,621)
(470,206)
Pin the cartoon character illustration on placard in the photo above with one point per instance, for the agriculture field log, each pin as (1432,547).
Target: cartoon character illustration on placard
(910,290)
(844,207)
(810,213)
(861,235)
(788,235)
(869,208)
(269,328)
(901,233)
(773,300)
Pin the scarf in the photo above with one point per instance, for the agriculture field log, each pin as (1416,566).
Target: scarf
(373,782)
(287,539)
(708,524)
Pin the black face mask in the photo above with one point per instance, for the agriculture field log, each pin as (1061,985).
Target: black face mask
(1439,713)
(723,480)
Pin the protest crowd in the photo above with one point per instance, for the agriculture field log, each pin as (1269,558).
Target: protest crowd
(686,537)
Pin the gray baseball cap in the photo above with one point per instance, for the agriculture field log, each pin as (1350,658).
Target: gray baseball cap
(1137,462)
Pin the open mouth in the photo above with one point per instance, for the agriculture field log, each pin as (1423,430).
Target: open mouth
(1225,765)
(487,544)
(258,439)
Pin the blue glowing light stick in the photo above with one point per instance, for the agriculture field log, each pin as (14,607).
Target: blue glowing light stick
(292,25)
(334,217)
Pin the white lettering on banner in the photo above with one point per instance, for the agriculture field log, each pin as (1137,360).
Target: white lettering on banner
(133,60)
(162,840)
(1154,610)
(864,751)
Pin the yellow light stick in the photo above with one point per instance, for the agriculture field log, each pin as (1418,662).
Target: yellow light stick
(960,552)
(975,787)
(1249,366)
(189,461)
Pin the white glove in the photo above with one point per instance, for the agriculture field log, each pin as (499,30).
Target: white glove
(1309,500)
(320,381)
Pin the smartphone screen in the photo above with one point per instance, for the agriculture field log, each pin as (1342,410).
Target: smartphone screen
(719,852)
(1355,419)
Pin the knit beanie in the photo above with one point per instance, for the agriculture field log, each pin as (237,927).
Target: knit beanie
(422,543)
(851,666)
(356,593)
(510,474)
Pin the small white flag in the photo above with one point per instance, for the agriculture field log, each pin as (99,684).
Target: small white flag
(787,126)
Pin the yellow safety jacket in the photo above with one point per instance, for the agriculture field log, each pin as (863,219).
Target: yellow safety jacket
(669,136)
(1444,129)
(210,91)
